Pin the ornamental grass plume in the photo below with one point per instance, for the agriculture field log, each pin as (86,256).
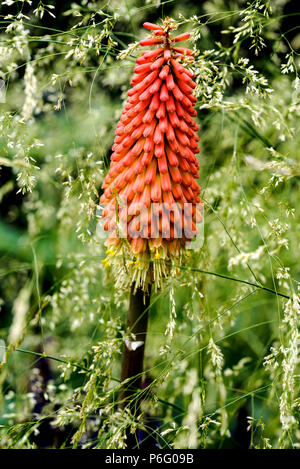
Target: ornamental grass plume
(151,196)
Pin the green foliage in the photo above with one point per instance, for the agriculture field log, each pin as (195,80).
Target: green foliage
(222,359)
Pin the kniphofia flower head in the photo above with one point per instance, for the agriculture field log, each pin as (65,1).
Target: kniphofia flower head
(151,196)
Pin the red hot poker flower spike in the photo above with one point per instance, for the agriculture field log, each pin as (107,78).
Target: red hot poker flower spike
(151,195)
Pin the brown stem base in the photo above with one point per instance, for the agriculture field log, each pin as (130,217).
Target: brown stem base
(132,360)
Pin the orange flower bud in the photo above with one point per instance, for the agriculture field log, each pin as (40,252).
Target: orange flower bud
(181,37)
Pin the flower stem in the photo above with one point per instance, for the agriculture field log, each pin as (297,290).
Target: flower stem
(133,356)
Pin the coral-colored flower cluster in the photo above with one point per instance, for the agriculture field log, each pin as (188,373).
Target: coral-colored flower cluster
(153,164)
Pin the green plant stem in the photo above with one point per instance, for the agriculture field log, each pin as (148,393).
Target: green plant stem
(133,357)
(234,279)
(44,355)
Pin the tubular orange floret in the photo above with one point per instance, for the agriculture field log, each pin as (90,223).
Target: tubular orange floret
(183,50)
(181,37)
(152,27)
(150,54)
(151,41)
(154,158)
